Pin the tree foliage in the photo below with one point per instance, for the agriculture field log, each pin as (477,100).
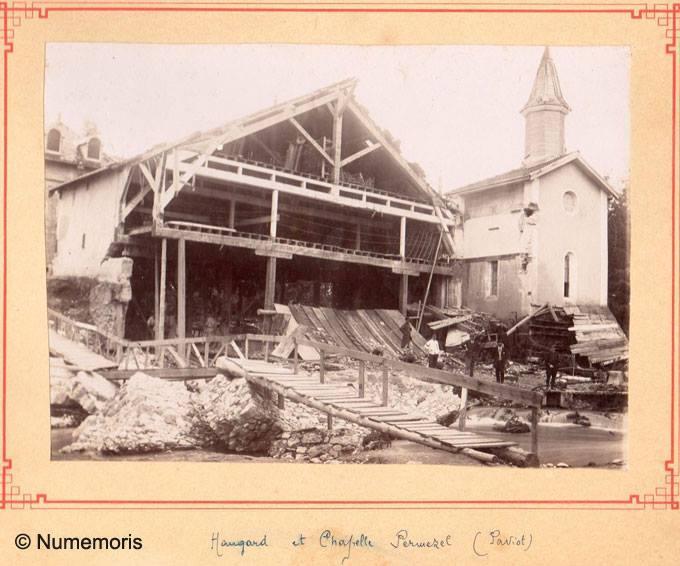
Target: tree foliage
(619,259)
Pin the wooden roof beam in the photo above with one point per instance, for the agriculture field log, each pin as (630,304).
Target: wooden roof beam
(239,130)
(372,147)
(152,185)
(311,140)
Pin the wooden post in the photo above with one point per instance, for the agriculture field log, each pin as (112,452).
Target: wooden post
(232,213)
(266,350)
(247,347)
(270,286)
(534,431)
(322,368)
(270,283)
(329,422)
(362,378)
(270,277)
(228,291)
(358,240)
(337,142)
(403,295)
(402,238)
(281,402)
(295,356)
(181,294)
(156,289)
(160,323)
(463,409)
(385,385)
(274,214)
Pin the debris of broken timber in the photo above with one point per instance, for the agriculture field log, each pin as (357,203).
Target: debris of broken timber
(517,456)
(481,456)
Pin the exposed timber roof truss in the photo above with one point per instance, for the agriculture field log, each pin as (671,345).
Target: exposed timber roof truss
(171,169)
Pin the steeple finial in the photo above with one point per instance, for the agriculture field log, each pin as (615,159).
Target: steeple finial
(546,90)
(544,113)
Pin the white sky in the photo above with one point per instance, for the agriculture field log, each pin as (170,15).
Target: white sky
(454,108)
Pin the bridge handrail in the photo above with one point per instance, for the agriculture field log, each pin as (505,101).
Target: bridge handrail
(512,393)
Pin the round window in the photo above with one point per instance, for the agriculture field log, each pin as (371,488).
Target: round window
(569,202)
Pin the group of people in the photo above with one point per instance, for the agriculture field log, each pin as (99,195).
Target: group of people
(499,351)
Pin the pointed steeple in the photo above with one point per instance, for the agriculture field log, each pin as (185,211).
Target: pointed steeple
(547,90)
(544,113)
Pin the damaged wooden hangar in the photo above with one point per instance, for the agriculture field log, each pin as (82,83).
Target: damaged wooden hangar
(308,190)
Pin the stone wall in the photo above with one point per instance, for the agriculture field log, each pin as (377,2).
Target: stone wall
(110,295)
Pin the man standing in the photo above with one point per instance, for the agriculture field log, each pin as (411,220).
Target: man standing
(500,359)
(432,349)
(473,354)
(405,335)
(551,364)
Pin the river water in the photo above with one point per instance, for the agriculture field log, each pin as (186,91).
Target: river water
(560,441)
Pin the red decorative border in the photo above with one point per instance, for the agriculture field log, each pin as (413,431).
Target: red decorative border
(666,496)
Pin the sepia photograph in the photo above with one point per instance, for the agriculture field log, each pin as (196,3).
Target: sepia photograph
(338,254)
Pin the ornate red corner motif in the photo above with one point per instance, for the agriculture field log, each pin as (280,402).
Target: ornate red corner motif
(665,16)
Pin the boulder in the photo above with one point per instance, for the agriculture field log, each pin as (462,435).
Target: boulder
(91,391)
(69,388)
(513,425)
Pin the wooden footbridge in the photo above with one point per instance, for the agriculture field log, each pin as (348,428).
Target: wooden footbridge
(343,401)
(337,400)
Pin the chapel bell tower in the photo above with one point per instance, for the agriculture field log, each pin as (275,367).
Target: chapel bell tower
(544,114)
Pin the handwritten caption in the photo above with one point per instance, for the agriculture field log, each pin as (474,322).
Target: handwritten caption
(341,547)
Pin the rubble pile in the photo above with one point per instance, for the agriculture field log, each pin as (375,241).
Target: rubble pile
(460,324)
(146,415)
(233,415)
(70,389)
(92,391)
(317,445)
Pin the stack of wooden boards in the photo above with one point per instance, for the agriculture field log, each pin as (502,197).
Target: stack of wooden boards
(365,330)
(462,324)
(598,335)
(589,331)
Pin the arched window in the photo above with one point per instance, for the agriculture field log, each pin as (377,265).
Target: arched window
(94,148)
(54,141)
(569,275)
(569,202)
